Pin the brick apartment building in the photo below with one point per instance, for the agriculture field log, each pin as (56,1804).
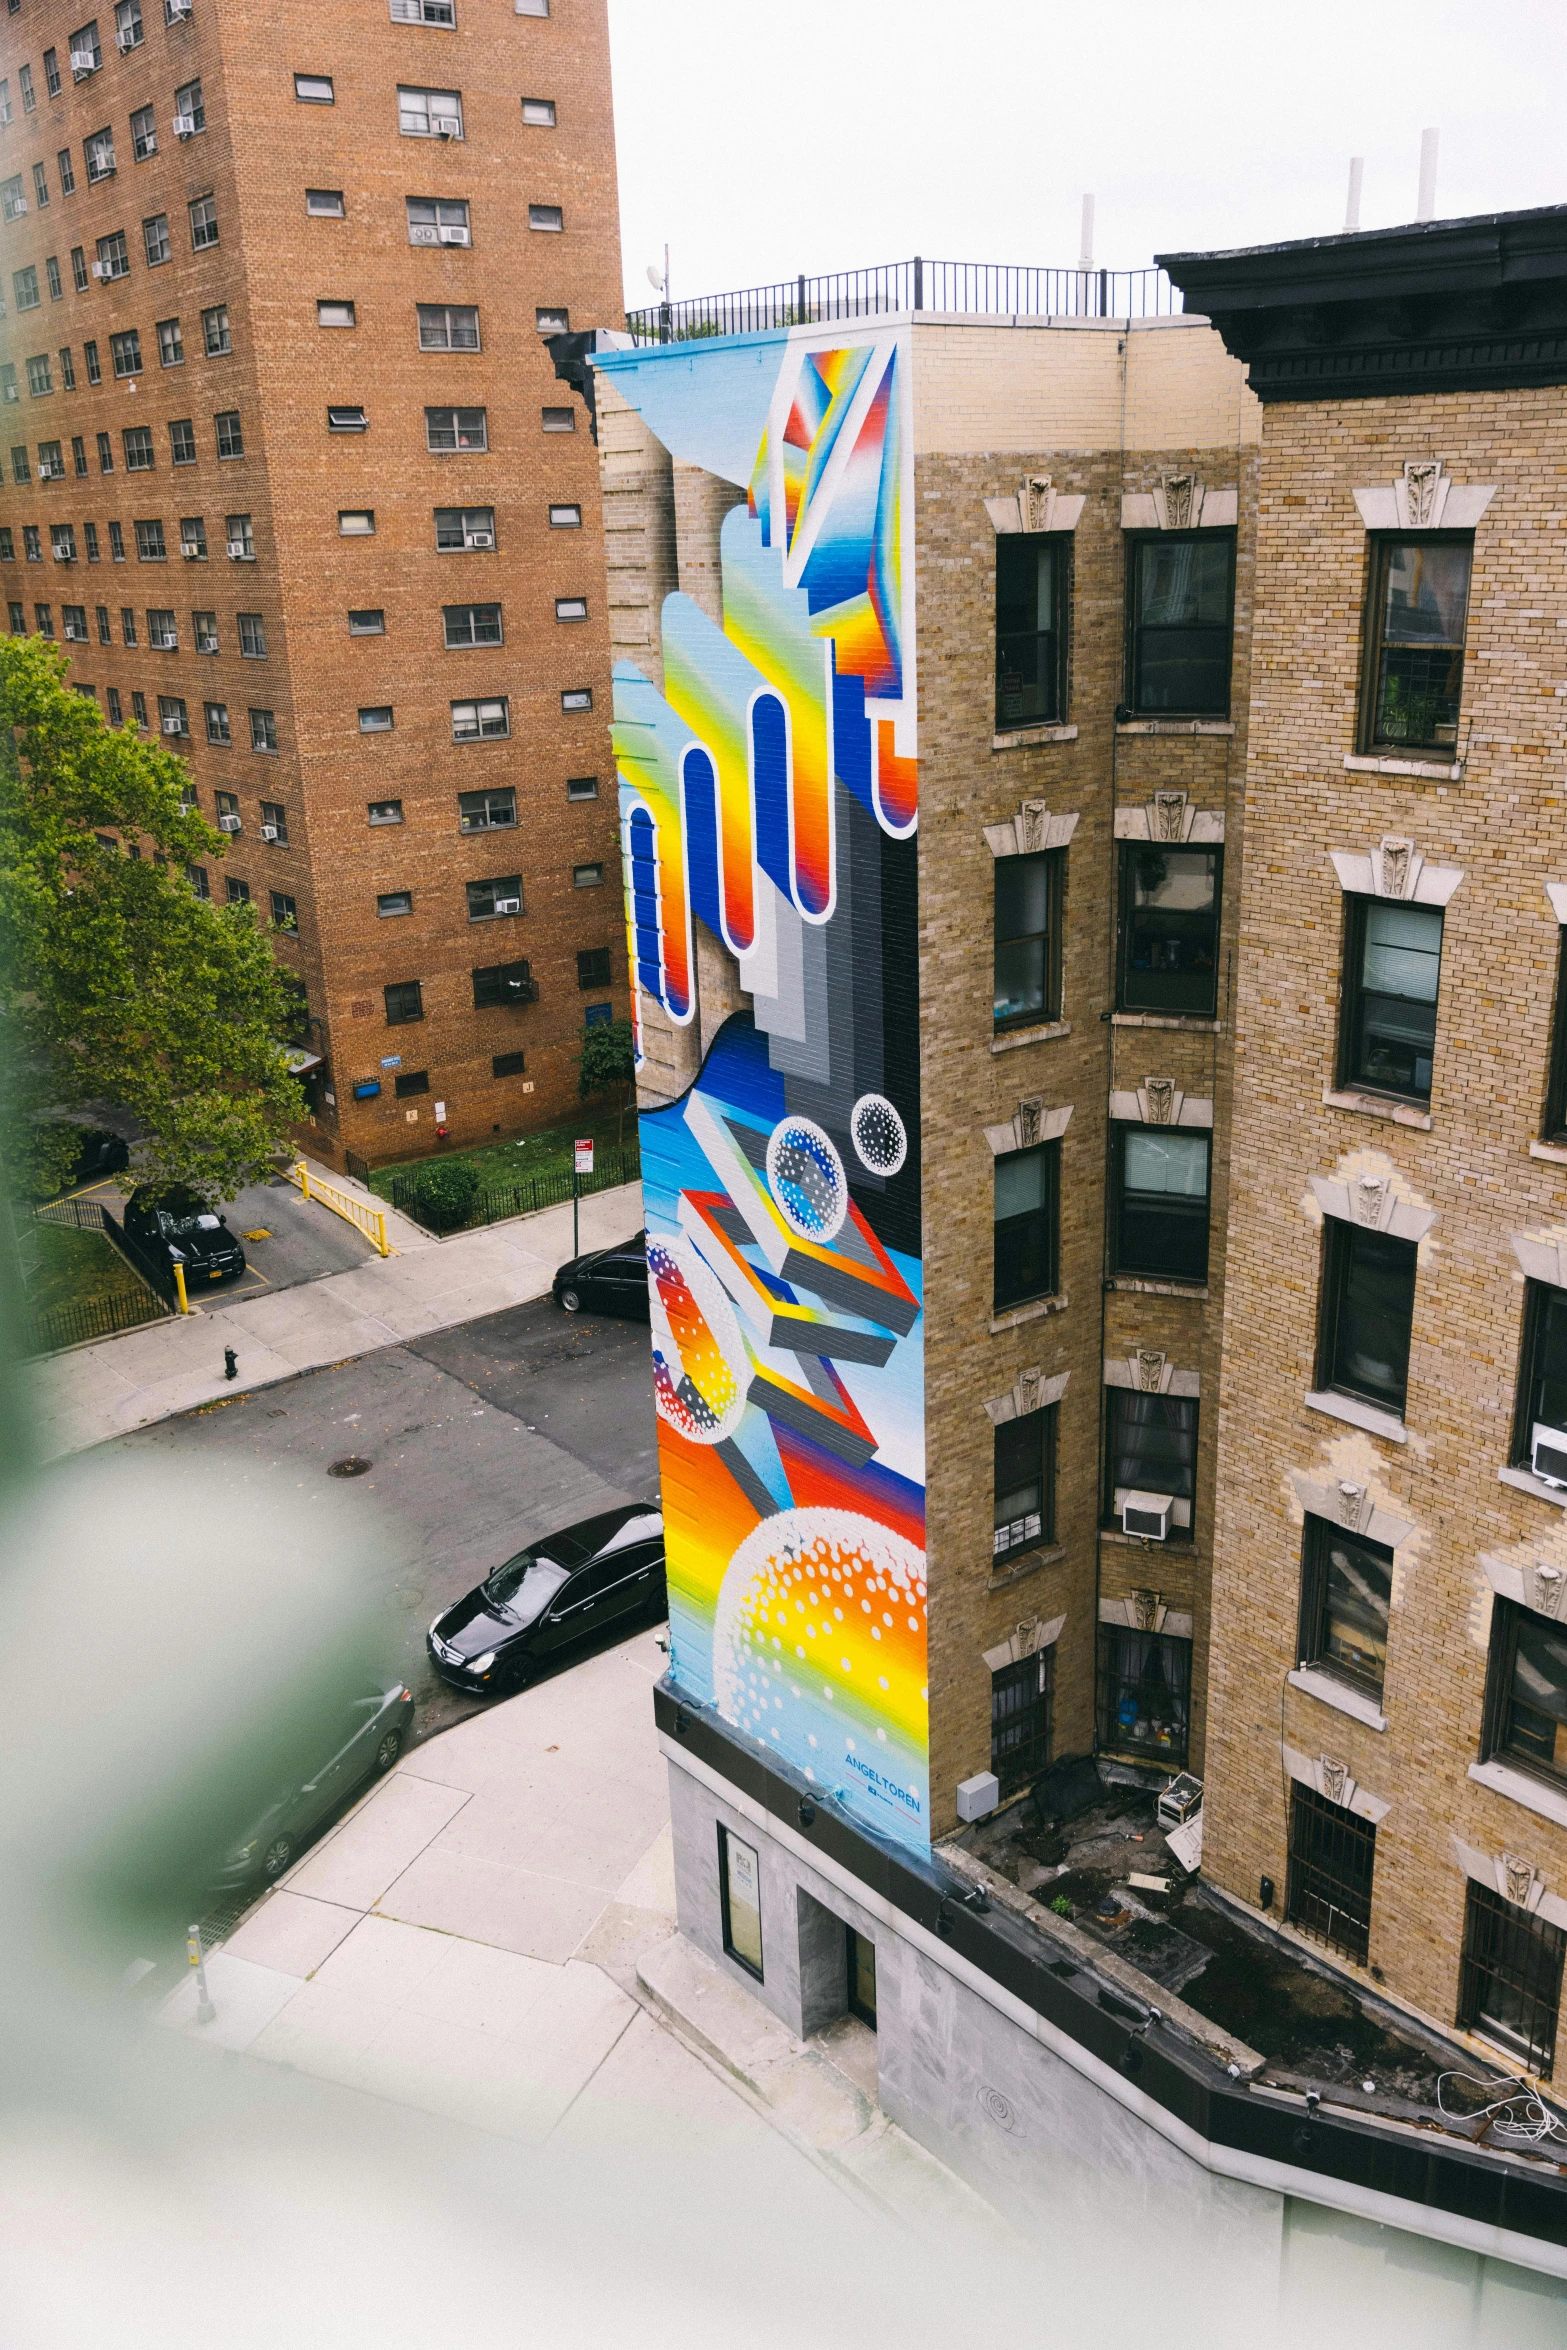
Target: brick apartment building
(291,478)
(967,625)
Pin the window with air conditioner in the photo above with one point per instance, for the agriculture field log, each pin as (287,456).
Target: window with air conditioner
(171,714)
(13,203)
(1539,1436)
(228,812)
(489,900)
(86,50)
(114,259)
(73,621)
(51,461)
(446,326)
(62,541)
(190,113)
(325,203)
(487,811)
(127,24)
(98,152)
(204,627)
(1150,1453)
(429,114)
(162,630)
(471,624)
(438,220)
(448,430)
(193,538)
(274,823)
(465,526)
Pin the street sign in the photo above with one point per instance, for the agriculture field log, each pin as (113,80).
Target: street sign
(585,1156)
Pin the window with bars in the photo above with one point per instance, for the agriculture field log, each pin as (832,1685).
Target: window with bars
(1144,1694)
(1025,1476)
(1414,671)
(1022,1705)
(1332,1857)
(1510,1979)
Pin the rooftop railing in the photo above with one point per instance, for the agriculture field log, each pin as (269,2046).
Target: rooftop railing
(966,288)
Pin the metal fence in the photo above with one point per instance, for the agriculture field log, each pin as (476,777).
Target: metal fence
(493,1203)
(49,1328)
(966,288)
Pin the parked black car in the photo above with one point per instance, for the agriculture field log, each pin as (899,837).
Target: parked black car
(365,1736)
(613,1280)
(99,1153)
(558,1591)
(179,1225)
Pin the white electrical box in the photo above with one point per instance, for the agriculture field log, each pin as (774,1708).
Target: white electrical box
(979,1796)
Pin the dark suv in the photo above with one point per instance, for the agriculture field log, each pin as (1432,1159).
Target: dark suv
(178,1226)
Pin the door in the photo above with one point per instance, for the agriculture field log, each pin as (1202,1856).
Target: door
(862,1977)
(579,1607)
(621,1283)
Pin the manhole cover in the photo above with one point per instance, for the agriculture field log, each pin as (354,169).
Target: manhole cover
(352,1465)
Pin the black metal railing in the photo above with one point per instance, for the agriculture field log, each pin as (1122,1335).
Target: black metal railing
(983,289)
(46,1329)
(494,1202)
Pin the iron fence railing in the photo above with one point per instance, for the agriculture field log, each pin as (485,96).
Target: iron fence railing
(962,288)
(46,1329)
(494,1202)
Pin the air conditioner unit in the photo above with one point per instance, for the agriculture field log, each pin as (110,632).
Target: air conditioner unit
(228,824)
(191,554)
(184,126)
(1147,1514)
(83,63)
(454,236)
(127,40)
(445,130)
(16,207)
(479,538)
(11,392)
(269,832)
(239,552)
(178,11)
(508,905)
(61,556)
(149,146)
(421,235)
(102,269)
(172,726)
(1548,1454)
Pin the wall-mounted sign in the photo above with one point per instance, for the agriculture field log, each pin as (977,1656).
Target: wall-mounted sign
(368,1091)
(585,1156)
(391,1060)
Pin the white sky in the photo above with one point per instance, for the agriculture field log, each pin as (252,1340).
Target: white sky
(816,135)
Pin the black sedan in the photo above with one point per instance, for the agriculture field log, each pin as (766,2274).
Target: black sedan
(545,1599)
(612,1280)
(178,1225)
(364,1737)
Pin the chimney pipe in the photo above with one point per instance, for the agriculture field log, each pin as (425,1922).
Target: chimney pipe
(1426,209)
(1357,168)
(1085,259)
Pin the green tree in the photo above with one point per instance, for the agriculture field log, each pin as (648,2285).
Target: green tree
(117,983)
(608,1064)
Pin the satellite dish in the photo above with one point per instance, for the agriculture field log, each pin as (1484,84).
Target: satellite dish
(655,277)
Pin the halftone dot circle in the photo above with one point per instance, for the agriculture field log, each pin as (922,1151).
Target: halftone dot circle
(806,1177)
(700,1370)
(878,1134)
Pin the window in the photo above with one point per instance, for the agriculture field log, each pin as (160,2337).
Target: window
(190,113)
(238,891)
(313,89)
(395,902)
(1345,1586)
(252,636)
(1180,592)
(424,12)
(347,420)
(40,381)
(193,538)
(385,811)
(1392,970)
(1368,1304)
(106,459)
(240,537)
(1028,938)
(41,199)
(464,526)
(43,619)
(740,1902)
(215,331)
(1031,576)
(86,50)
(1144,1695)
(30,543)
(367,623)
(263,730)
(552,322)
(1542,1380)
(25,81)
(144,136)
(285,913)
(448,327)
(52,273)
(230,438)
(218,724)
(68,379)
(474,722)
(126,350)
(1526,1692)
(325,203)
(127,20)
(429,114)
(1026,1224)
(1159,1200)
(1022,1702)
(404,1002)
(565,518)
(62,542)
(99,153)
(486,811)
(162,632)
(73,619)
(376,720)
(66,169)
(136,441)
(546,217)
(1169,931)
(508,1064)
(489,900)
(559,419)
(582,787)
(21,466)
(1414,672)
(196,875)
(1150,1447)
(571,607)
(472,624)
(105,632)
(94,371)
(274,822)
(1025,1483)
(577,697)
(593,967)
(356,522)
(5,99)
(139,710)
(456,428)
(155,240)
(116,713)
(1510,1983)
(90,532)
(436,220)
(52,72)
(1332,1856)
(587,877)
(8,544)
(171,713)
(335,314)
(127,625)
(203,222)
(13,204)
(227,805)
(149,543)
(412,1081)
(24,285)
(539,113)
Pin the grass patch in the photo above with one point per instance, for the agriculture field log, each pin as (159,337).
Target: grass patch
(75,1268)
(498,1163)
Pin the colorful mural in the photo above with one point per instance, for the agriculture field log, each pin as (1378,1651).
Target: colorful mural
(768,796)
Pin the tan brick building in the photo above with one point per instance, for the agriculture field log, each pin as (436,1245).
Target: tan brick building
(291,477)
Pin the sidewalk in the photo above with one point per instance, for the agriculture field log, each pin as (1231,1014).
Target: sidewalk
(97,1392)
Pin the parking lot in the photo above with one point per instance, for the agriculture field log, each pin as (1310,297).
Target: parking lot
(287,1239)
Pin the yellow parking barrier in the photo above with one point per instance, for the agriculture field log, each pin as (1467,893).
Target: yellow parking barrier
(179,1285)
(370,1221)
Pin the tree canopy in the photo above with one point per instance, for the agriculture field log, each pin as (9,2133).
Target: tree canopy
(608,1063)
(118,983)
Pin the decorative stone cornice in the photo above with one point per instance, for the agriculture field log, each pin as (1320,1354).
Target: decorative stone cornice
(1423,497)
(1515,1878)
(1030,1123)
(1026,1640)
(1159,1101)
(1181,502)
(1333,1778)
(1150,1372)
(1345,1503)
(1145,1611)
(1033,828)
(1170,816)
(1037,506)
(1029,1392)
(1371,1199)
(1396,869)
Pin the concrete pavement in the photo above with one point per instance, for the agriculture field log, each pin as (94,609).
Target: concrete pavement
(96,1392)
